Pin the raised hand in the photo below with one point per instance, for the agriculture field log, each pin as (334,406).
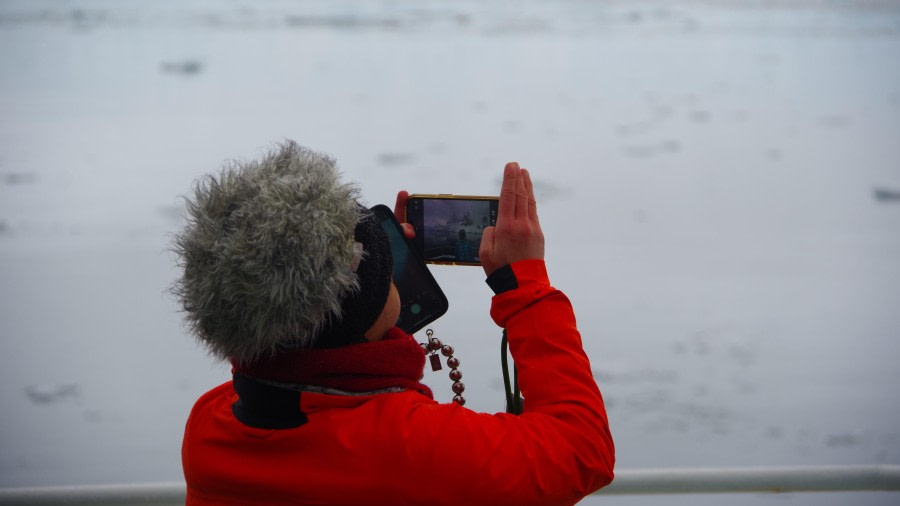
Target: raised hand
(517,235)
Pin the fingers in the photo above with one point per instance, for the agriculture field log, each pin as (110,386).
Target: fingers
(516,195)
(400,214)
(400,206)
(486,251)
(521,196)
(517,235)
(532,203)
(506,209)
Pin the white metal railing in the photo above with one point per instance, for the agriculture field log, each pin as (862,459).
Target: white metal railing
(755,480)
(155,494)
(628,482)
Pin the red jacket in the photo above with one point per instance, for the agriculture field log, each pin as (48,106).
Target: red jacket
(404,448)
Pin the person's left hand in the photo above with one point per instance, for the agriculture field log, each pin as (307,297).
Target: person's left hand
(400,214)
(517,234)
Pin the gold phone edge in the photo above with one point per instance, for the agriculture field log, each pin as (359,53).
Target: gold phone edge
(444,262)
(450,196)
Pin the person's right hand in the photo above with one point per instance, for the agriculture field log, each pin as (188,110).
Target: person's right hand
(517,234)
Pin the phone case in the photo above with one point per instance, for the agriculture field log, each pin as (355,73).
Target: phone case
(421,299)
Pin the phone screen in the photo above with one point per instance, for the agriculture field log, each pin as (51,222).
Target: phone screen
(421,299)
(449,228)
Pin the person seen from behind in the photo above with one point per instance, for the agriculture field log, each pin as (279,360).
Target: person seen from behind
(286,276)
(465,250)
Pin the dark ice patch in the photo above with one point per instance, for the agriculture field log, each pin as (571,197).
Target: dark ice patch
(511,126)
(626,129)
(700,116)
(886,195)
(346,22)
(183,68)
(664,147)
(19,178)
(395,158)
(51,394)
(842,439)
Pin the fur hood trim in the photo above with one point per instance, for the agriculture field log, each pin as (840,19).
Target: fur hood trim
(267,252)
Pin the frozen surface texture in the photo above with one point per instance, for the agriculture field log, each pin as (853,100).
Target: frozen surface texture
(719,182)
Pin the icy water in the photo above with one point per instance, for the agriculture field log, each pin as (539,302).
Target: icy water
(719,183)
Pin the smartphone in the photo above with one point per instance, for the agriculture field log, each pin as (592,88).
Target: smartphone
(449,227)
(421,299)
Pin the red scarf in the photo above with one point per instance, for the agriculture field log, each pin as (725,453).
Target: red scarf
(395,361)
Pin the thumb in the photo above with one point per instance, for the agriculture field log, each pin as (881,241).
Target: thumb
(486,250)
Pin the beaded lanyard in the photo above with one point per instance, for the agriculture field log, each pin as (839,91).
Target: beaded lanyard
(431,348)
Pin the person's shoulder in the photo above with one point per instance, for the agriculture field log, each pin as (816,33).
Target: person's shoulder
(225,391)
(224,388)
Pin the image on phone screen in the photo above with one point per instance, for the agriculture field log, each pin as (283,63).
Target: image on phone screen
(449,229)
(421,299)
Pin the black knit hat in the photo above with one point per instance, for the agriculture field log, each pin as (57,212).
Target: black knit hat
(361,308)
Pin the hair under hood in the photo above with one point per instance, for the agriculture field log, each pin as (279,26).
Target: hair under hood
(267,253)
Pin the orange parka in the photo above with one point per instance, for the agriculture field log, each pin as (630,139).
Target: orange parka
(404,448)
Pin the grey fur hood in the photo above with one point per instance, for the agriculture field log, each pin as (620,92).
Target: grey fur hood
(267,252)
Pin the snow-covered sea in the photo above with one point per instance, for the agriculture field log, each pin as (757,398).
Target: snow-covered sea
(719,183)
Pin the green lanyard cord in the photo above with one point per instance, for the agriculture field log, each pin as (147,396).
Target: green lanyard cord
(513,394)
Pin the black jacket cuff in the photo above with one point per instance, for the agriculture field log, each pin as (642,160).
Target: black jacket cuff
(502,280)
